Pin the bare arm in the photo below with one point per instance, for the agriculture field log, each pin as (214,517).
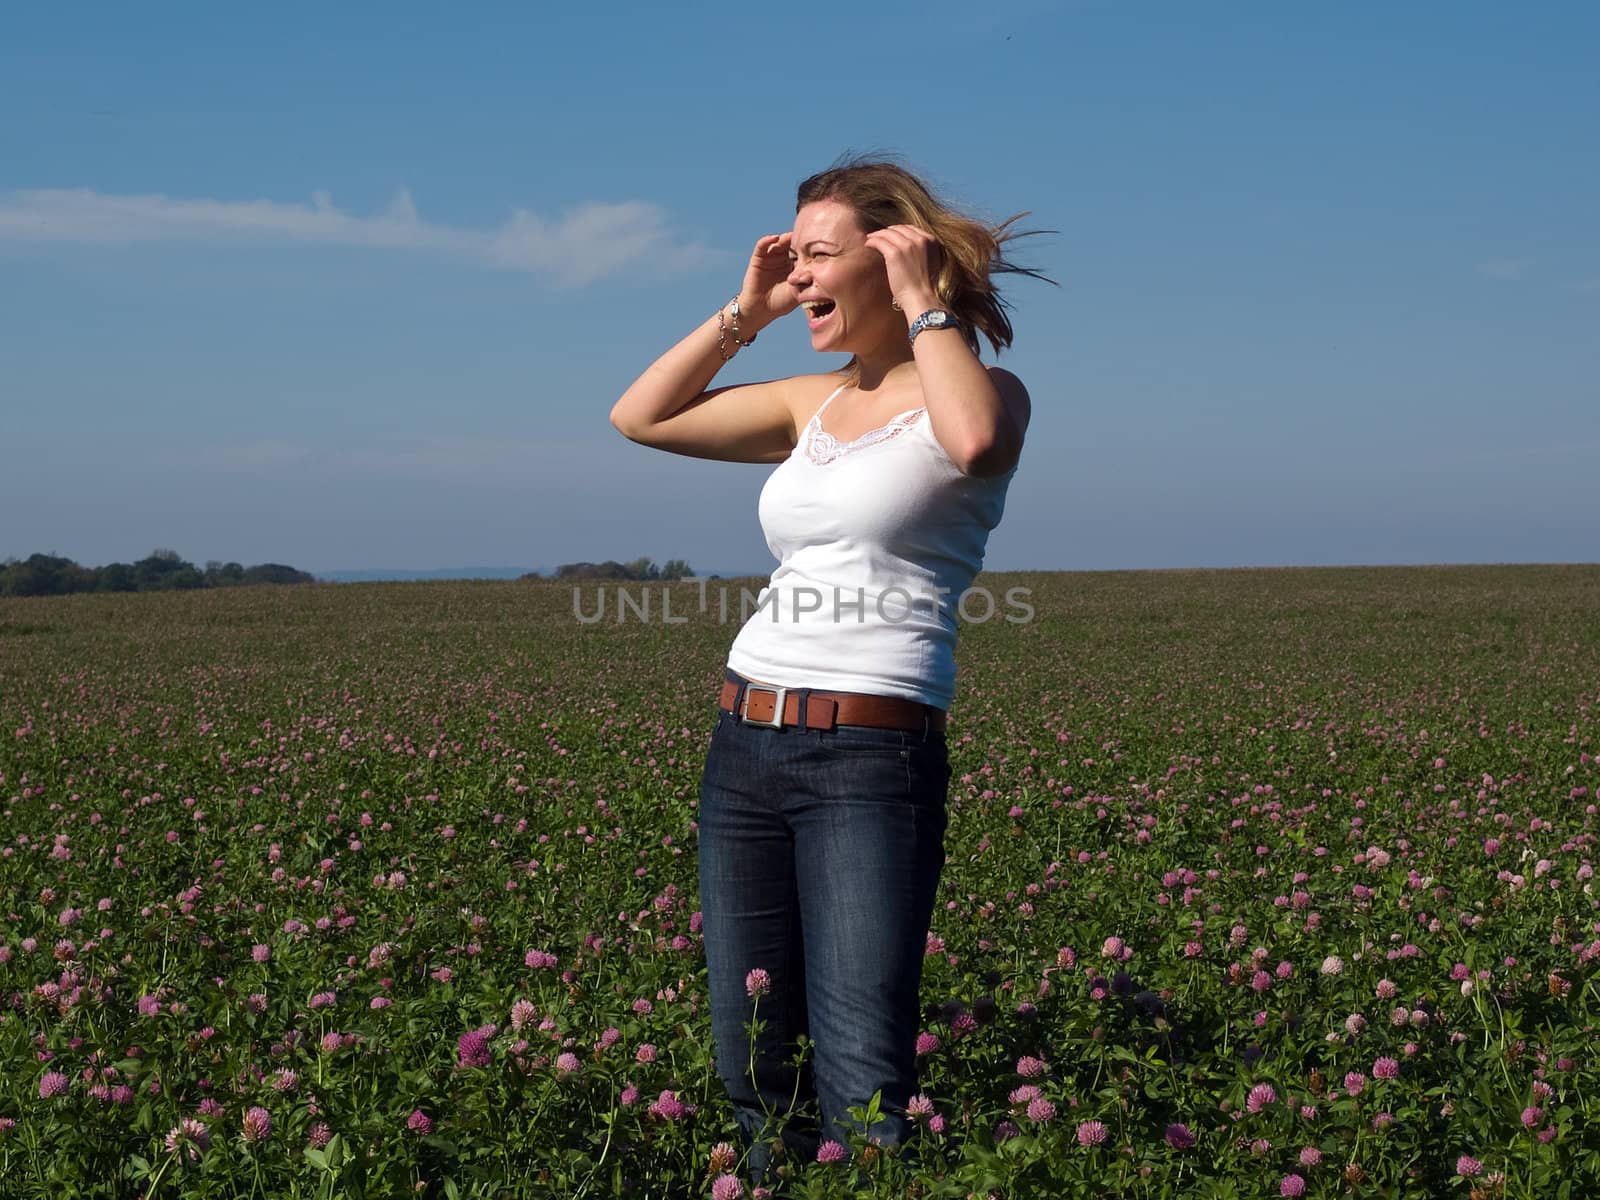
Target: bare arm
(978,414)
(669,408)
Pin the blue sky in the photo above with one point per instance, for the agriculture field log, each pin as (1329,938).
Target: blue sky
(353,286)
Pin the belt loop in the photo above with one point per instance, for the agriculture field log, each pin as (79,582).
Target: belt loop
(800,715)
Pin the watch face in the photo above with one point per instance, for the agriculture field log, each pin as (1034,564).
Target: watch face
(937,318)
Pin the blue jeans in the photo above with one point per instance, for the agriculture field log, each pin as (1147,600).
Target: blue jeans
(820,853)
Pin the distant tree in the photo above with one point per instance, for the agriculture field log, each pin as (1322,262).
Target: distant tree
(160,571)
(610,569)
(639,569)
(275,573)
(163,570)
(44,575)
(115,577)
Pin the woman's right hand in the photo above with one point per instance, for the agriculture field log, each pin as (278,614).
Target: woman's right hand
(766,294)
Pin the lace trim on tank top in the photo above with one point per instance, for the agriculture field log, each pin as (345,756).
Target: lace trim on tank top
(822,447)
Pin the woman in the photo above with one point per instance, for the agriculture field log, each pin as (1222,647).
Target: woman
(822,805)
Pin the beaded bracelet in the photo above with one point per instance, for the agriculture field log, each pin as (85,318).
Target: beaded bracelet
(723,330)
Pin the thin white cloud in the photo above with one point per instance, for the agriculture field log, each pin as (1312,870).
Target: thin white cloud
(582,245)
(1505,268)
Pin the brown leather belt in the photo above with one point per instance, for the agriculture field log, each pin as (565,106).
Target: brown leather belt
(759,704)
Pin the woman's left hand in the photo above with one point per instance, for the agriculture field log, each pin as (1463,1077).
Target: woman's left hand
(914,259)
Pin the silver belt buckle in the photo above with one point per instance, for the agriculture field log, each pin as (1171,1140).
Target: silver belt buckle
(779,694)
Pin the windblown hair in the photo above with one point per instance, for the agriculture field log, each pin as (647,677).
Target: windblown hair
(884,193)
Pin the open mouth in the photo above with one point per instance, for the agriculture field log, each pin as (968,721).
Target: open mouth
(818,311)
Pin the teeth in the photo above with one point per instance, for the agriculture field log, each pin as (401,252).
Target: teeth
(811,306)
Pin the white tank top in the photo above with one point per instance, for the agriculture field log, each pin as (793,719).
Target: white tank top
(865,532)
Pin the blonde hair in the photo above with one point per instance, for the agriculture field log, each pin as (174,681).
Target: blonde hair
(883,193)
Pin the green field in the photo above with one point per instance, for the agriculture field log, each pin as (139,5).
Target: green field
(273,857)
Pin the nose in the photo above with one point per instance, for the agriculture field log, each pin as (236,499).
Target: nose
(797,276)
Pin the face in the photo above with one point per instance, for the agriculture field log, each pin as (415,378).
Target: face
(840,280)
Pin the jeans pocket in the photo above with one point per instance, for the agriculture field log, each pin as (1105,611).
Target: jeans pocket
(856,741)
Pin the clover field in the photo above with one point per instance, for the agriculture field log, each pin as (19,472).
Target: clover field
(1259,884)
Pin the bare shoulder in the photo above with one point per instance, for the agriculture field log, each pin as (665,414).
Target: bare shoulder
(756,422)
(1013,395)
(807,393)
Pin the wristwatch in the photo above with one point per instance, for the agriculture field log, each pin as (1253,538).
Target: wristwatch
(934,318)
